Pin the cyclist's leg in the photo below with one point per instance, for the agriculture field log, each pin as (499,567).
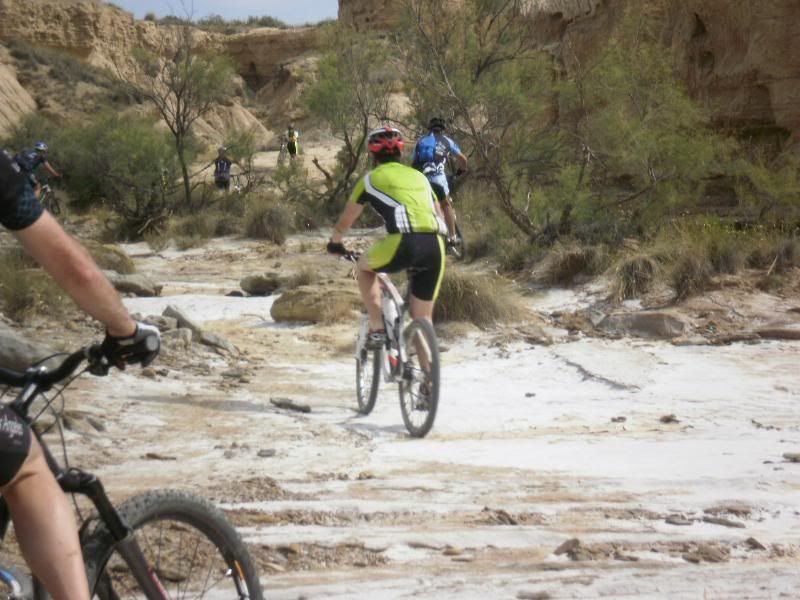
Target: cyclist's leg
(43,520)
(426,280)
(442,191)
(382,256)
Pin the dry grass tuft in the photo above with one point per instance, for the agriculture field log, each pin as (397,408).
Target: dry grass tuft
(476,299)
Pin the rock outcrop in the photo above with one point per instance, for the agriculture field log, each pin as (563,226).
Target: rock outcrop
(15,101)
(742,59)
(369,15)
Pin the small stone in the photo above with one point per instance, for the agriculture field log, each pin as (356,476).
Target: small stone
(625,557)
(530,394)
(228,454)
(156,456)
(678,520)
(754,544)
(722,521)
(792,457)
(465,559)
(149,373)
(707,553)
(533,596)
(267,453)
(618,419)
(453,551)
(97,424)
(669,419)
(364,475)
(274,567)
(289,404)
(568,546)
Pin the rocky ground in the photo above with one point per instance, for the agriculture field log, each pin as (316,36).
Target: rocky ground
(602,464)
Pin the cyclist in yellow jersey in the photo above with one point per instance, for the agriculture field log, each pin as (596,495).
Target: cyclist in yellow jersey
(414,223)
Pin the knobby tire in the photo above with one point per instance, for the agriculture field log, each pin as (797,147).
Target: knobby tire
(411,401)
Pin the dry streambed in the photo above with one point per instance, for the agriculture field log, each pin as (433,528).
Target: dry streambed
(586,468)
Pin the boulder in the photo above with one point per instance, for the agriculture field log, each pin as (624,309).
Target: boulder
(318,303)
(17,352)
(184,322)
(177,339)
(653,324)
(262,285)
(780,332)
(161,322)
(215,341)
(138,285)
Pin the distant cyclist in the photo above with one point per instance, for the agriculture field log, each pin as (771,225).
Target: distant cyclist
(403,197)
(222,169)
(292,141)
(430,156)
(30,159)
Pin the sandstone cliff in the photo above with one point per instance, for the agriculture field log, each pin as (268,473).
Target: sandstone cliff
(15,101)
(741,58)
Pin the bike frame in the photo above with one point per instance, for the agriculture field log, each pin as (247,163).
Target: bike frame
(388,289)
(76,481)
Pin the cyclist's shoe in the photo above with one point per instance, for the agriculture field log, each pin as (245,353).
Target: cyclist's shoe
(454,246)
(142,347)
(376,340)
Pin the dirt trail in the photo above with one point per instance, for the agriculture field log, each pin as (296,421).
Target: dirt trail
(528,453)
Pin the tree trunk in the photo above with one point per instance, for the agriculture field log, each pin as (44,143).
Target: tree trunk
(187,187)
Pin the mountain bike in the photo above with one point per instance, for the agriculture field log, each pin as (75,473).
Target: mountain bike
(48,199)
(236,184)
(410,358)
(283,153)
(457,245)
(157,545)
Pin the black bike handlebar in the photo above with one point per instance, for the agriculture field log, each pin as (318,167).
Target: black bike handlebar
(45,378)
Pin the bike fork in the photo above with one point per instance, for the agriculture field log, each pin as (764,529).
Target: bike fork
(76,481)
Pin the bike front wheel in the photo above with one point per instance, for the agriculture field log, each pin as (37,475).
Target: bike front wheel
(187,542)
(419,381)
(368,379)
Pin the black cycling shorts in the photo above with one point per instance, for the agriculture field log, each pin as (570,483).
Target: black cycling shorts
(292,148)
(15,442)
(222,184)
(421,254)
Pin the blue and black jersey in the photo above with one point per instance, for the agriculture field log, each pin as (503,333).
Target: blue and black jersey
(19,207)
(431,153)
(29,160)
(222,169)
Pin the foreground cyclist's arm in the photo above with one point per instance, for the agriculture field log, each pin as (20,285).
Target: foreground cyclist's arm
(349,216)
(75,271)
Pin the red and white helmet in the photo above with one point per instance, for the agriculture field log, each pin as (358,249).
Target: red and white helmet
(385,141)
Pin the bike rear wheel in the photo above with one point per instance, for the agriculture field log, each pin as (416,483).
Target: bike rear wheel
(419,382)
(459,245)
(368,379)
(187,542)
(15,585)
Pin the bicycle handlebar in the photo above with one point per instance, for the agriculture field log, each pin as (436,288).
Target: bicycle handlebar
(46,379)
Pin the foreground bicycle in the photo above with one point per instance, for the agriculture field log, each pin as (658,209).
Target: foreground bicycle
(410,358)
(157,545)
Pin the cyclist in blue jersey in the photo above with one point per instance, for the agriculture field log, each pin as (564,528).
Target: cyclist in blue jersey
(43,519)
(430,156)
(222,169)
(30,159)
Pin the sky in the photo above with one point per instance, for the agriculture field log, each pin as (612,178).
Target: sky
(294,12)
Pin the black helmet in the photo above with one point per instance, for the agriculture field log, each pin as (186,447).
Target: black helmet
(437,123)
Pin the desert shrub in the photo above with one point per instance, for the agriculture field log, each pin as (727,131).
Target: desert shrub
(25,291)
(150,16)
(690,274)
(62,66)
(477,299)
(268,219)
(199,225)
(305,276)
(110,257)
(634,276)
(565,262)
